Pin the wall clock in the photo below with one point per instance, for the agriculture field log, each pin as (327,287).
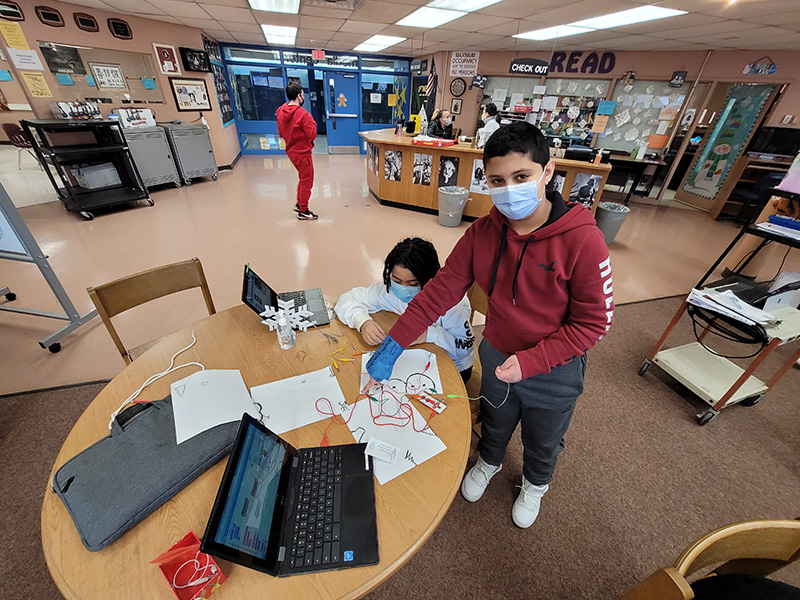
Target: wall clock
(458,86)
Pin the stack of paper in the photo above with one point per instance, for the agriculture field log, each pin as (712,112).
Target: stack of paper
(728,304)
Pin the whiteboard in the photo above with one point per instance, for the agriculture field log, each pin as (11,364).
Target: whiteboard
(9,242)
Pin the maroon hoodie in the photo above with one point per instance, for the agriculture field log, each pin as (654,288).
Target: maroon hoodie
(297,128)
(549,292)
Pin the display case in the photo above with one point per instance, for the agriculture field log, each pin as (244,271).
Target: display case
(88,163)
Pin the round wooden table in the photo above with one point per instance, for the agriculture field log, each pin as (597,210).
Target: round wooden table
(409,507)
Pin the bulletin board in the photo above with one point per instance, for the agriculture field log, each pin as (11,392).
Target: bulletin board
(645,112)
(76,78)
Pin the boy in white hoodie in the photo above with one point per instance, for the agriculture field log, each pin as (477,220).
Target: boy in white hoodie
(408,267)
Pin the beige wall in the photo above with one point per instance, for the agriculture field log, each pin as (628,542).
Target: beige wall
(223,139)
(723,65)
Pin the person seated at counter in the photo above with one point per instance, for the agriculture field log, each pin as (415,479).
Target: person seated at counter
(441,126)
(491,123)
(410,265)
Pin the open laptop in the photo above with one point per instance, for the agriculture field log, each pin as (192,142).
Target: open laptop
(285,511)
(257,294)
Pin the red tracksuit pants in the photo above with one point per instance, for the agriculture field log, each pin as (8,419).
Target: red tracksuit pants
(305,172)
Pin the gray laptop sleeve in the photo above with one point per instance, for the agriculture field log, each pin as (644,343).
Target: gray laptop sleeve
(116,482)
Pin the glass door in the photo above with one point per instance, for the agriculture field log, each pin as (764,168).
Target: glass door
(342,111)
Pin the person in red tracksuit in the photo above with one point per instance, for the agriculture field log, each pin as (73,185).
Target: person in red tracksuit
(545,269)
(298,129)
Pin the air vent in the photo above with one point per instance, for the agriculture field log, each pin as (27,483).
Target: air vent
(86,22)
(49,16)
(11,11)
(120,29)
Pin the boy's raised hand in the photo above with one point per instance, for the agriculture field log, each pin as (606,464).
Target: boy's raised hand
(509,371)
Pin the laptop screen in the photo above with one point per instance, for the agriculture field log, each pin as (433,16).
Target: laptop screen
(256,293)
(246,520)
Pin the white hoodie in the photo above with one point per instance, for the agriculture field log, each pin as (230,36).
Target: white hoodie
(452,332)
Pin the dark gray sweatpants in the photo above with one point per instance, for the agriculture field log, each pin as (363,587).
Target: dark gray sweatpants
(542,403)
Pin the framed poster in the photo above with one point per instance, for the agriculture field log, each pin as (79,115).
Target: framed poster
(167,59)
(108,77)
(190,94)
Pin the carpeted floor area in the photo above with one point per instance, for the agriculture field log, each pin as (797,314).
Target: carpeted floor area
(638,482)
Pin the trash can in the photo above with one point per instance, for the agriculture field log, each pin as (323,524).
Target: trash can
(609,217)
(451,204)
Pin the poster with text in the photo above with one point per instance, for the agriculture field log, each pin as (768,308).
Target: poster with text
(448,170)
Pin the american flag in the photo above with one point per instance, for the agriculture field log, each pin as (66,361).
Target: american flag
(431,80)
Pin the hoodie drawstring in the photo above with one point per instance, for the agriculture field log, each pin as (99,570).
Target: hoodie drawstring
(497,260)
(516,273)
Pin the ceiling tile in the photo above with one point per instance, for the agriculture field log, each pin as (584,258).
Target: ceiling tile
(475,22)
(228,13)
(382,12)
(234,27)
(323,11)
(345,36)
(320,23)
(517,9)
(183,9)
(354,26)
(200,23)
(273,18)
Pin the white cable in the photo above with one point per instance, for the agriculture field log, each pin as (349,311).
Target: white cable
(155,377)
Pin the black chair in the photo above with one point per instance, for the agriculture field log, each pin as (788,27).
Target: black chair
(752,200)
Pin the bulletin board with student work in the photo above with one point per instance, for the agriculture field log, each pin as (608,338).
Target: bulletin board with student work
(110,78)
(643,114)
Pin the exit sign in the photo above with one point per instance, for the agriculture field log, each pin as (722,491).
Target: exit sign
(319,54)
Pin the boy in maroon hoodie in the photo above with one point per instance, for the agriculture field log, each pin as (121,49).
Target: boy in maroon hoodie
(298,129)
(545,270)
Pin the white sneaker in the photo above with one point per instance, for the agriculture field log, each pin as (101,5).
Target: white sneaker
(526,507)
(476,480)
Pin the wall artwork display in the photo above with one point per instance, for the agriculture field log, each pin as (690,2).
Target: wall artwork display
(448,170)
(393,165)
(190,94)
(167,59)
(108,77)
(721,149)
(478,183)
(423,166)
(223,95)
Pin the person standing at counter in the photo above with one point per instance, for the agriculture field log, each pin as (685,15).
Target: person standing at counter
(546,272)
(299,130)
(441,126)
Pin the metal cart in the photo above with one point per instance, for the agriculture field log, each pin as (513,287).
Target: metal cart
(153,155)
(716,380)
(191,149)
(61,145)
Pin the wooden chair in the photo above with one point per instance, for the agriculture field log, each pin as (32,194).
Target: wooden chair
(752,547)
(123,294)
(480,304)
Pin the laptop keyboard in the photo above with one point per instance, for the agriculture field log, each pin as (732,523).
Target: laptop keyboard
(299,297)
(315,540)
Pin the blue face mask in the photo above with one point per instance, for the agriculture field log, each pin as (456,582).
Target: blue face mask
(405,293)
(517,201)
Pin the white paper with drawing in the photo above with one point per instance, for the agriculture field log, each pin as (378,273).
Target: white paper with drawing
(411,374)
(415,447)
(291,403)
(209,398)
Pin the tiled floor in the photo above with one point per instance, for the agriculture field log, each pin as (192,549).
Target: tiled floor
(246,216)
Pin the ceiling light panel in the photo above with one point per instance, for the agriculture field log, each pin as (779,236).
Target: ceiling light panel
(628,17)
(280,6)
(550,33)
(430,17)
